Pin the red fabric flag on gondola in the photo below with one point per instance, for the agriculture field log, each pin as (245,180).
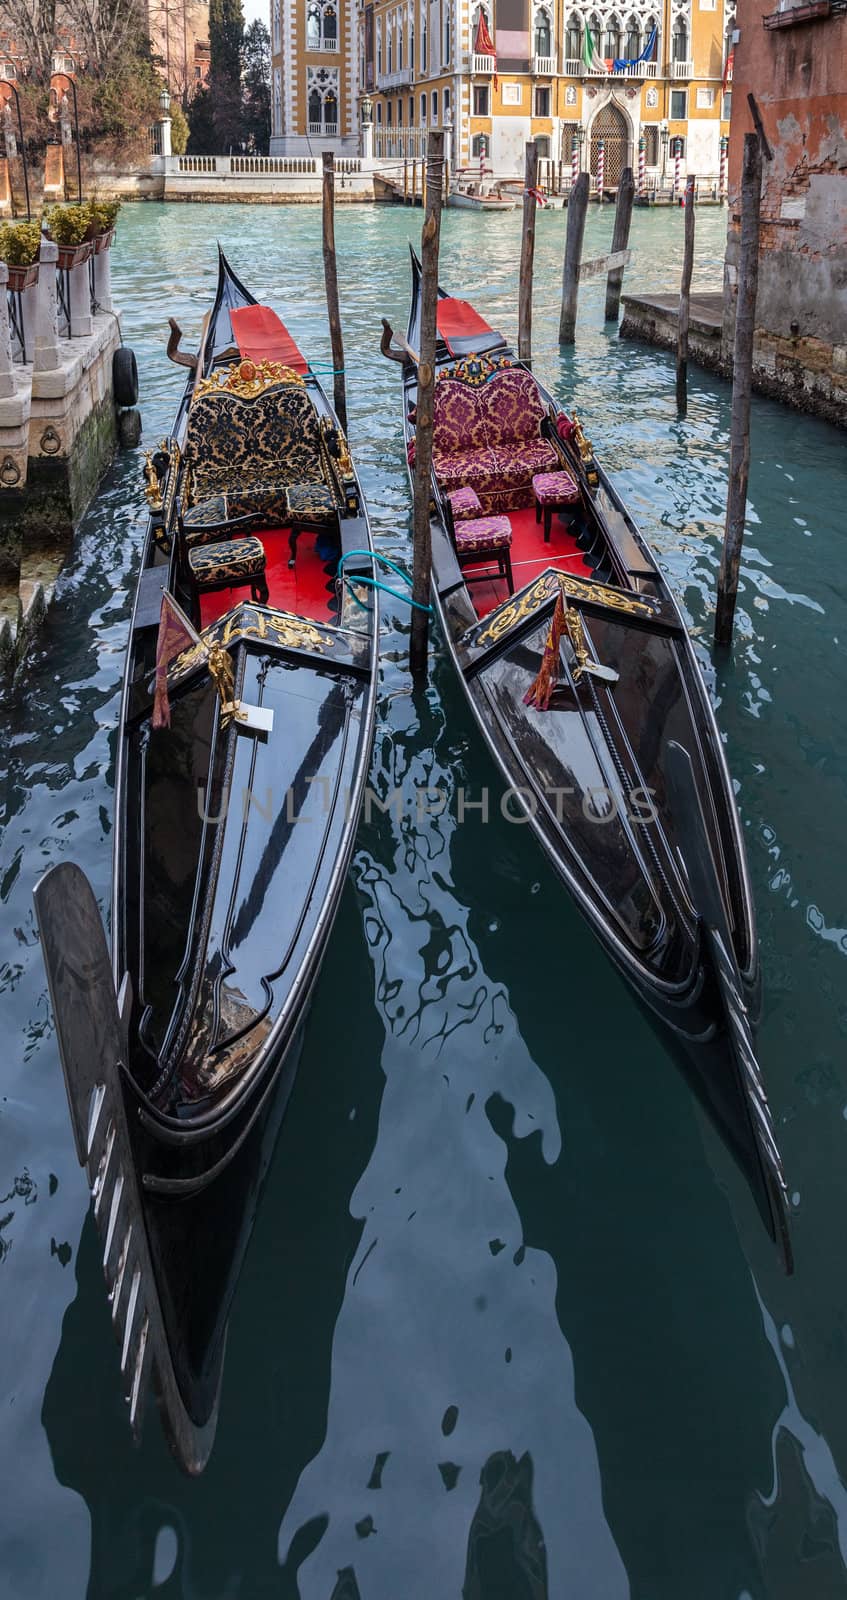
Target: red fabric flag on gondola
(175,635)
(484,45)
(541,689)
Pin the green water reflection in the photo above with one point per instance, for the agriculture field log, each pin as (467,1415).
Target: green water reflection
(510,1326)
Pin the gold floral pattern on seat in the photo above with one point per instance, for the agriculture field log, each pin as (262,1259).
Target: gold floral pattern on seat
(264,506)
(229,562)
(272,439)
(310,505)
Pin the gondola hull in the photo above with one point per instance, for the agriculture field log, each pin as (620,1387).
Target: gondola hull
(622,776)
(234,828)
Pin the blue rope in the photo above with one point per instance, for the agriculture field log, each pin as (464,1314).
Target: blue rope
(374,583)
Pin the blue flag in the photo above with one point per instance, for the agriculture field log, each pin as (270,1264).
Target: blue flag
(635,61)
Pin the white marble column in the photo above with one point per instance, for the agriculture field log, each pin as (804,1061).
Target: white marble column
(46,357)
(80,298)
(103,280)
(7,376)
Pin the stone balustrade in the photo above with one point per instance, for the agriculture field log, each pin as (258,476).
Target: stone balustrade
(57,426)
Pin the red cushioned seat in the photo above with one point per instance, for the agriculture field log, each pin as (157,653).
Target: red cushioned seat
(464,503)
(482,534)
(553,490)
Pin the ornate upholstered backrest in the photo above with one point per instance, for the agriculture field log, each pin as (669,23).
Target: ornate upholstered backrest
(270,438)
(456,420)
(512,408)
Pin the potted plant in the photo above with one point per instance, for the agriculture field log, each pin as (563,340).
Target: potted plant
(69,228)
(20,243)
(103,217)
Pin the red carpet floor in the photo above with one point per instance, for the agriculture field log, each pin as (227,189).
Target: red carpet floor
(306,588)
(530,556)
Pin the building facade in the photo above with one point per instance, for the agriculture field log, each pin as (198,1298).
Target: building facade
(497,74)
(794,61)
(313,77)
(179,41)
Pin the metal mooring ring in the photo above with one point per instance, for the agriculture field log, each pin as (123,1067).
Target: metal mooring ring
(50,442)
(10,472)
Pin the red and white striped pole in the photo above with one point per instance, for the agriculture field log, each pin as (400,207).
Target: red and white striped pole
(574,160)
(677,160)
(722,177)
(601,168)
(642,168)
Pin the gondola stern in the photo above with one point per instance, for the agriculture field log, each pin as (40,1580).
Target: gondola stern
(763,1169)
(91,1035)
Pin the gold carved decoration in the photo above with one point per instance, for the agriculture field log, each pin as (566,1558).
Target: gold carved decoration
(246,379)
(152,485)
(283,628)
(529,600)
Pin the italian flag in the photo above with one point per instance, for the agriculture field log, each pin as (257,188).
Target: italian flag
(588,47)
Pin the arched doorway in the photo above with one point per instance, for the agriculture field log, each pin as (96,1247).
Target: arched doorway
(611,126)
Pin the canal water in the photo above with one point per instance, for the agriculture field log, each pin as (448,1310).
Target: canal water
(510,1328)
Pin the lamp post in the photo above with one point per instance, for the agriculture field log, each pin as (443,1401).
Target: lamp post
(62,84)
(7,90)
(366,114)
(663,135)
(165,121)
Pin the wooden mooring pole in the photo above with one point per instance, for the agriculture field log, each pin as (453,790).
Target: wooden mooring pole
(577,212)
(527,254)
(331,276)
(685,303)
(422,554)
(620,241)
(742,383)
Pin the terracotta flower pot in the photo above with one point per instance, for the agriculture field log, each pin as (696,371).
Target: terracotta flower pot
(104,241)
(73,255)
(21,278)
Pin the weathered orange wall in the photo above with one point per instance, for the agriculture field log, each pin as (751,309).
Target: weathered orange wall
(798,75)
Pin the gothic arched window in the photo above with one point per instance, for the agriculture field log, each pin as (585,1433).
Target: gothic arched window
(679,47)
(632,48)
(573,37)
(543,34)
(612,39)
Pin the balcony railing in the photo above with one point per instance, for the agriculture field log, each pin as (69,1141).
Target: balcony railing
(682,69)
(639,69)
(574,67)
(321,44)
(482,66)
(544,66)
(324,130)
(395,80)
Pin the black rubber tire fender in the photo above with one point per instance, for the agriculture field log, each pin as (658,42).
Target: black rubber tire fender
(124,376)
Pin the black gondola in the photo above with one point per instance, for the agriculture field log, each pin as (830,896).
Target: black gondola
(581,675)
(233,833)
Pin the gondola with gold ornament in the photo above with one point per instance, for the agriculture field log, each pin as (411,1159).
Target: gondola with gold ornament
(578,668)
(247,710)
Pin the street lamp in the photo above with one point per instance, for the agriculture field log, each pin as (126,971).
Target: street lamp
(663,135)
(366,110)
(165,100)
